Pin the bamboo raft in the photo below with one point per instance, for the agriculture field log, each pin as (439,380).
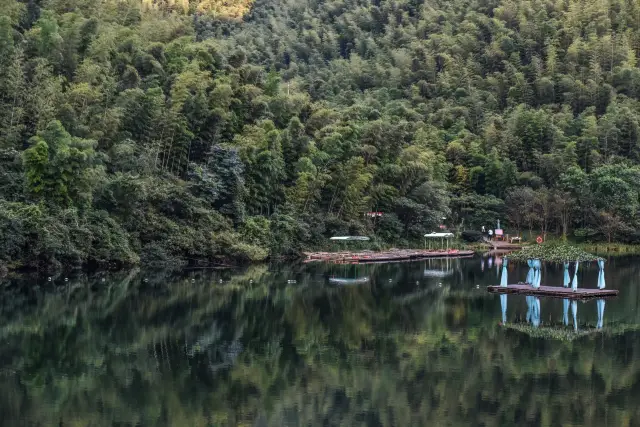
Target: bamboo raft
(365,257)
(553,291)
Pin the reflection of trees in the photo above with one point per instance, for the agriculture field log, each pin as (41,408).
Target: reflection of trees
(175,352)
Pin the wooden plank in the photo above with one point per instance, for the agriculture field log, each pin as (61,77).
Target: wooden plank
(554,291)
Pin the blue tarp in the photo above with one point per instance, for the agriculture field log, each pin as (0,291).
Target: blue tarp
(537,273)
(504,281)
(574,283)
(530,273)
(601,282)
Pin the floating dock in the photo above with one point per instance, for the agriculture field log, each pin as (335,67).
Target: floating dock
(553,291)
(367,257)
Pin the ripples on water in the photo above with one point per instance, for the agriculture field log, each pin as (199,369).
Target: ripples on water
(410,344)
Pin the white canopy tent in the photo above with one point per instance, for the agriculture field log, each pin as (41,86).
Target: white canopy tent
(441,236)
(346,238)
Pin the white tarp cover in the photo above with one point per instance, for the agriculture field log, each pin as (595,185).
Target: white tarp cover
(440,235)
(363,238)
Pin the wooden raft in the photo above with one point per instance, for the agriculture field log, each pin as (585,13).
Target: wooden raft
(554,291)
(386,256)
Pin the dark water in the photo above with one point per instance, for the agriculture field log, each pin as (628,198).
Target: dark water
(413,344)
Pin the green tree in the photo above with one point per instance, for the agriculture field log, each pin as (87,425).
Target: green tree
(61,169)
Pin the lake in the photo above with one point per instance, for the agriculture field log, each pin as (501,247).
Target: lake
(406,344)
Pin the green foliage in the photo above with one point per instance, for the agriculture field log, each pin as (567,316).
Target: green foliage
(471,236)
(312,114)
(552,253)
(60,168)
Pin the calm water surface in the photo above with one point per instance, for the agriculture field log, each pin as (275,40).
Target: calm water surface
(409,344)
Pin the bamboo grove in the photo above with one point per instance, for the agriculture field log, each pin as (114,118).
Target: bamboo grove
(136,130)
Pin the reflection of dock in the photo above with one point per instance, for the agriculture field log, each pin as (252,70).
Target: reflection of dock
(342,281)
(554,291)
(497,253)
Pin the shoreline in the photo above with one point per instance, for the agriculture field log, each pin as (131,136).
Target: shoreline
(13,267)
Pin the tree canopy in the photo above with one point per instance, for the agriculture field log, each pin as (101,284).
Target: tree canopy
(167,130)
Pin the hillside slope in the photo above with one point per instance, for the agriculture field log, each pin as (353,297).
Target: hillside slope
(200,130)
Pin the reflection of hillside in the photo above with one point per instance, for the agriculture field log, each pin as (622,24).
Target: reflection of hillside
(175,352)
(562,332)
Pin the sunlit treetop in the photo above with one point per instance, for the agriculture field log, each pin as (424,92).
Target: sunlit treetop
(233,9)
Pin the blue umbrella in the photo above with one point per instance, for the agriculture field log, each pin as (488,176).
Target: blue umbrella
(504,280)
(565,317)
(503,304)
(600,303)
(574,283)
(567,278)
(530,274)
(601,283)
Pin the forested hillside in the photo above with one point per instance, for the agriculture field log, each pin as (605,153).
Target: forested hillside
(159,130)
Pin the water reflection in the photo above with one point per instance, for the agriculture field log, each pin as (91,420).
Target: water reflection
(600,304)
(404,349)
(533,315)
(349,274)
(440,268)
(533,310)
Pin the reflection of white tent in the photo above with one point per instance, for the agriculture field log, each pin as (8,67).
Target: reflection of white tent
(441,236)
(438,273)
(445,269)
(342,281)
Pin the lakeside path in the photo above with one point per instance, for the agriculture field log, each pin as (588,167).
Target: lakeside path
(500,245)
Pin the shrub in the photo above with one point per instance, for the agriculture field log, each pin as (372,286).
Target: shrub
(471,236)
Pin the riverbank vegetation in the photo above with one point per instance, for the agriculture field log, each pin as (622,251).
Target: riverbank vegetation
(559,253)
(155,131)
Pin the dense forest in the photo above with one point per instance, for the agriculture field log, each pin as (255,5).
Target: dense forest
(141,130)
